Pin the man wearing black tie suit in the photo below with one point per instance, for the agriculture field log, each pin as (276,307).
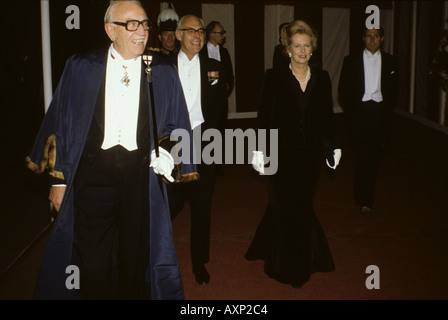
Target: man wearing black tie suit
(368,91)
(216,36)
(205,93)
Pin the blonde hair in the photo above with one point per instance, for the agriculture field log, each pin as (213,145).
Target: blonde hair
(297,27)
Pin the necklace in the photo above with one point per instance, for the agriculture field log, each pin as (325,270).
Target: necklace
(307,77)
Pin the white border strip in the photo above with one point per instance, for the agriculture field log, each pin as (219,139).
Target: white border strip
(46,52)
(242,115)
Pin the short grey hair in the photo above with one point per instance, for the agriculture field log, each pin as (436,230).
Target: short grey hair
(181,21)
(109,12)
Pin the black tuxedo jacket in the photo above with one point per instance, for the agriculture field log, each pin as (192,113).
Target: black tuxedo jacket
(352,83)
(213,92)
(227,69)
(351,90)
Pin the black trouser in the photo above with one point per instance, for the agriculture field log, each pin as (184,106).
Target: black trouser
(199,195)
(367,158)
(111,227)
(369,134)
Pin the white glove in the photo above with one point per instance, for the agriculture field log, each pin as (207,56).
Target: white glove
(162,165)
(337,153)
(258,161)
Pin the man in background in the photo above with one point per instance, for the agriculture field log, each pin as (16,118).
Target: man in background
(368,93)
(205,93)
(167,23)
(216,38)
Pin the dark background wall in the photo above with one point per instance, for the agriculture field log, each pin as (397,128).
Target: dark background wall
(24,35)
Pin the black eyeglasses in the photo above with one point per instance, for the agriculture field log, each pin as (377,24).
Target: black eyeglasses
(132,25)
(221,33)
(191,31)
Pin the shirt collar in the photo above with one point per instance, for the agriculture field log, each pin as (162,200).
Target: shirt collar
(116,57)
(184,59)
(368,54)
(211,45)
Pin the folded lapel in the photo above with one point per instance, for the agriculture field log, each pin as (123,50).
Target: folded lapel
(204,79)
(361,77)
(95,87)
(143,113)
(386,71)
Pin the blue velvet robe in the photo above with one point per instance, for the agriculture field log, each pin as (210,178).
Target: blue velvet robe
(58,149)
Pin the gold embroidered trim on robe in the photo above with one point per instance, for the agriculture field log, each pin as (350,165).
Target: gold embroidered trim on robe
(177,172)
(48,160)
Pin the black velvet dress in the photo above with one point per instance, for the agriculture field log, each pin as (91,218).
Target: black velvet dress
(289,238)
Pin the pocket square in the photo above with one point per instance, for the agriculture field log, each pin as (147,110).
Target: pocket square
(214,82)
(393,71)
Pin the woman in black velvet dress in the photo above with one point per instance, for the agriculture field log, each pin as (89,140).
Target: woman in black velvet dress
(296,100)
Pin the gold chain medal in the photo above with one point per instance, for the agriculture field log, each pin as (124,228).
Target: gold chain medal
(125,78)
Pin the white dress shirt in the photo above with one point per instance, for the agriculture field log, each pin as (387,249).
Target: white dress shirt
(190,78)
(121,101)
(372,76)
(213,51)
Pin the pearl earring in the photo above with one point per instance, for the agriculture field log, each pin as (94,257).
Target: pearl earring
(289,54)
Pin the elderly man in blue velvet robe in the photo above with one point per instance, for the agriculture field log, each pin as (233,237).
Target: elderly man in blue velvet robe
(98,142)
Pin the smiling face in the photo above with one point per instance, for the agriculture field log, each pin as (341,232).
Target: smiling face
(300,48)
(129,44)
(190,43)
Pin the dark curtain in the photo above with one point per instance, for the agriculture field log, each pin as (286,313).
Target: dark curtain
(311,12)
(429,25)
(426,90)
(249,56)
(402,50)
(188,7)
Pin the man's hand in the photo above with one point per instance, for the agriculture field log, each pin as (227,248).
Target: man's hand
(56,196)
(162,165)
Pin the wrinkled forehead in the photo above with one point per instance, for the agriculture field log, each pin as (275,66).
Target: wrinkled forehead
(192,22)
(128,11)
